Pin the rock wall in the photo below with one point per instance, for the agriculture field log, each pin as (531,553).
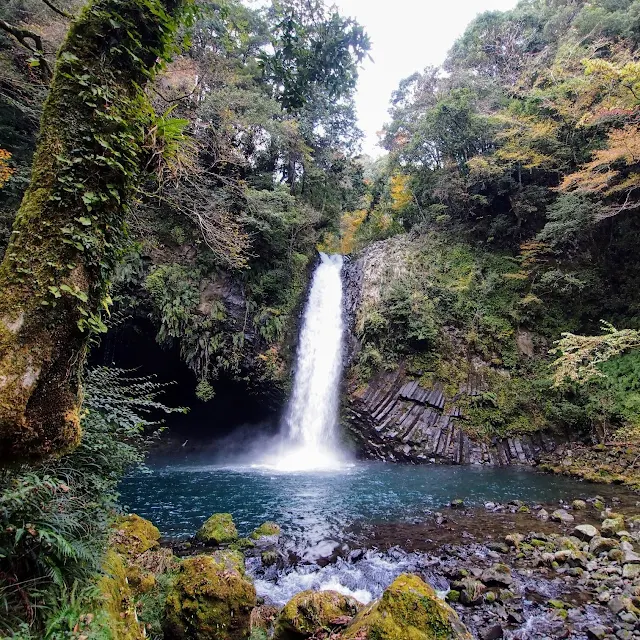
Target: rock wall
(394,419)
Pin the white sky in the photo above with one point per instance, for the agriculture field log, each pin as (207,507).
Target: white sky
(406,35)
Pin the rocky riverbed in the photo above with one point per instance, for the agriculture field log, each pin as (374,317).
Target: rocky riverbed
(509,570)
(512,570)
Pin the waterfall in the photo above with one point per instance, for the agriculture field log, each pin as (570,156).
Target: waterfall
(310,423)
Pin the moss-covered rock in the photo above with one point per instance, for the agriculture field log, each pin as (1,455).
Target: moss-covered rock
(117,612)
(133,535)
(207,600)
(309,611)
(408,610)
(231,559)
(266,529)
(218,529)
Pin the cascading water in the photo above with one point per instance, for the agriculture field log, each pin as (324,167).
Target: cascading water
(310,422)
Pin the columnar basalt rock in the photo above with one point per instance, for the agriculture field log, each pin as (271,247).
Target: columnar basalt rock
(394,418)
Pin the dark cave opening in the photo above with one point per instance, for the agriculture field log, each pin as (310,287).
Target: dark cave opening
(133,346)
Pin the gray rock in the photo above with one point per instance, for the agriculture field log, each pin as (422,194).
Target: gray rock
(585,532)
(498,575)
(494,632)
(560,515)
(616,605)
(631,571)
(596,632)
(600,544)
(543,514)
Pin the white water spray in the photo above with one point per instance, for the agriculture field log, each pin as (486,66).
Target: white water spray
(311,419)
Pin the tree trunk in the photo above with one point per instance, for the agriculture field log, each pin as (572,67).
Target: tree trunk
(70,227)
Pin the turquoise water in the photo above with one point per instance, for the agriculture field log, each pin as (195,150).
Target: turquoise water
(178,497)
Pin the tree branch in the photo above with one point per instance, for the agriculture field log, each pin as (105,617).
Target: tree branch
(22,36)
(60,12)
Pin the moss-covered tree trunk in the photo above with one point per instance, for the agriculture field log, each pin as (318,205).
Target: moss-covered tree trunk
(68,232)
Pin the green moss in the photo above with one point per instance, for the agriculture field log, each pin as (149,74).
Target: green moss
(118,613)
(218,529)
(266,529)
(208,599)
(133,535)
(231,559)
(309,611)
(408,610)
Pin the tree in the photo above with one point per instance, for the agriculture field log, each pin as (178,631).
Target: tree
(66,239)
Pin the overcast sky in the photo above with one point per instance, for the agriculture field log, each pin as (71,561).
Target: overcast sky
(406,35)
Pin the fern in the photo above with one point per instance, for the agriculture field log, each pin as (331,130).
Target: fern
(55,517)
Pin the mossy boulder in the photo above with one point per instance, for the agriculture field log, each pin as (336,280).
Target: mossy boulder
(218,529)
(309,611)
(133,535)
(208,599)
(266,529)
(408,610)
(117,613)
(230,559)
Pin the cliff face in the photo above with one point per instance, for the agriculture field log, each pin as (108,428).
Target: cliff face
(394,418)
(427,404)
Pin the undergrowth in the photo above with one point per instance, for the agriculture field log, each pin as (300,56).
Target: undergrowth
(55,517)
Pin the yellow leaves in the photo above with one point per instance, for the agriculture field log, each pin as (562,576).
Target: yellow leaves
(401,195)
(605,174)
(483,168)
(5,170)
(524,139)
(345,243)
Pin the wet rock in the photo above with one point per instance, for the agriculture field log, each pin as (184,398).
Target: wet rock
(616,605)
(409,608)
(499,575)
(596,632)
(208,599)
(457,504)
(471,592)
(493,632)
(563,516)
(543,514)
(579,505)
(269,558)
(309,611)
(218,529)
(611,526)
(266,529)
(514,539)
(585,532)
(500,547)
(600,544)
(631,571)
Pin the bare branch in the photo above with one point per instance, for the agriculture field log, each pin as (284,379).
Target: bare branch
(23,36)
(60,12)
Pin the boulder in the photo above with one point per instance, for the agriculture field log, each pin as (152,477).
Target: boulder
(499,575)
(309,611)
(611,526)
(208,599)
(585,532)
(266,529)
(600,544)
(471,591)
(409,608)
(579,505)
(561,515)
(132,536)
(218,529)
(631,571)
